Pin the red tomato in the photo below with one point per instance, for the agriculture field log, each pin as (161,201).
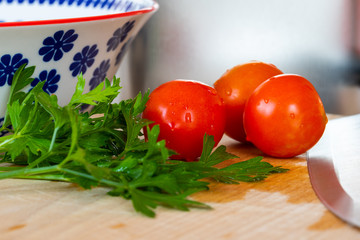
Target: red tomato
(185,110)
(284,116)
(235,87)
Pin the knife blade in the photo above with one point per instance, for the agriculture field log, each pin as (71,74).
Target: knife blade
(334,166)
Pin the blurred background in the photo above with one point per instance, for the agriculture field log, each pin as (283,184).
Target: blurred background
(200,39)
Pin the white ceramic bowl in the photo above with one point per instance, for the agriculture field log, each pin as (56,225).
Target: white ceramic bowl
(65,37)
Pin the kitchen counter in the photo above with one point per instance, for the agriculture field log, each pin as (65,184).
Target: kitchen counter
(283,206)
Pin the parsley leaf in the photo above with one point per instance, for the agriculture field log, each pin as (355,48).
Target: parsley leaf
(105,147)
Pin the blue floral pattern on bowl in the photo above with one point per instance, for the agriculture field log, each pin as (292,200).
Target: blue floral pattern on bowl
(51,80)
(119,35)
(8,66)
(2,133)
(83,60)
(61,50)
(55,46)
(99,74)
(122,52)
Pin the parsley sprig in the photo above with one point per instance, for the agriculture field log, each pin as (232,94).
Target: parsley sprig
(105,147)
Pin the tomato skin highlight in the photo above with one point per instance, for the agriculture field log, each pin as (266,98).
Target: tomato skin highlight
(235,86)
(284,117)
(185,110)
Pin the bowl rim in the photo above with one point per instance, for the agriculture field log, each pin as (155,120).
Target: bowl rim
(153,8)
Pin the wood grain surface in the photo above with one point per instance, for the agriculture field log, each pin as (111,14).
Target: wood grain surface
(283,206)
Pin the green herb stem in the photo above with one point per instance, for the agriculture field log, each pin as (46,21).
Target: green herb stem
(12,168)
(8,140)
(28,171)
(40,159)
(53,139)
(48,177)
(90,177)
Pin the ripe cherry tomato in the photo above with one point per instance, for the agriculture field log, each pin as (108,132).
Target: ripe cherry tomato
(235,87)
(185,110)
(284,117)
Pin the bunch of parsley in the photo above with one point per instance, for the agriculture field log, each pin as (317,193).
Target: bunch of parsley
(105,147)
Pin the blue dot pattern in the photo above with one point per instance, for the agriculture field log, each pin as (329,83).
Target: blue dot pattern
(118,5)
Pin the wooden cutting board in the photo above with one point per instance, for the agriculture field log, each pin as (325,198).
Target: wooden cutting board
(283,206)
